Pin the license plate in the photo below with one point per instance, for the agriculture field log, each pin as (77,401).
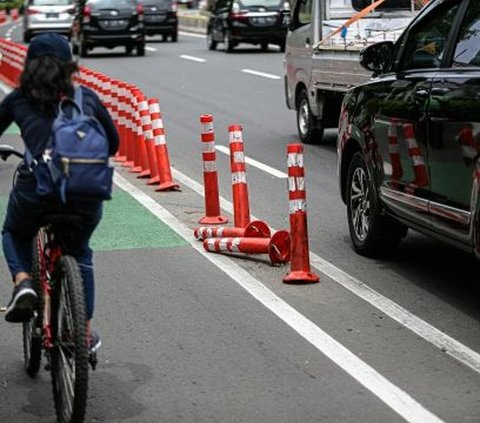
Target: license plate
(117,23)
(51,15)
(154,18)
(262,20)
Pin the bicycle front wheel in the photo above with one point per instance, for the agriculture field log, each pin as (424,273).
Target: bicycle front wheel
(69,357)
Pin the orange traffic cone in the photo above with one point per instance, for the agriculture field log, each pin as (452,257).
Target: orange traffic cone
(277,247)
(393,149)
(300,261)
(415,153)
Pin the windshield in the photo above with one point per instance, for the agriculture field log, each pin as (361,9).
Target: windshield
(51,2)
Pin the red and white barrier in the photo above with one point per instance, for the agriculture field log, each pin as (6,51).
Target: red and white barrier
(393,149)
(419,168)
(255,229)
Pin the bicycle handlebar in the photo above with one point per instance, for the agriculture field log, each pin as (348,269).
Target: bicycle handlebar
(7,150)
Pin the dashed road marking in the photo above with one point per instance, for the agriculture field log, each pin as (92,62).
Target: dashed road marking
(262,74)
(150,48)
(193,58)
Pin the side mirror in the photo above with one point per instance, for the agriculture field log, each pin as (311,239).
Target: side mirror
(378,58)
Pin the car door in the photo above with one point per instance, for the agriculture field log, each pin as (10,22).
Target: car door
(219,19)
(454,140)
(400,104)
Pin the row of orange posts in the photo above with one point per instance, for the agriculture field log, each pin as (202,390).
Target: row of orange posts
(143,151)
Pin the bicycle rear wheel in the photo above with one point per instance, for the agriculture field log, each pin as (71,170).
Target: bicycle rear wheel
(69,357)
(32,330)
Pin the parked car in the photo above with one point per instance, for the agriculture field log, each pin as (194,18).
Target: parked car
(247,21)
(161,18)
(47,16)
(108,23)
(409,140)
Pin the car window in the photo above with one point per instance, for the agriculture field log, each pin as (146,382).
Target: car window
(426,42)
(159,3)
(51,2)
(467,51)
(113,4)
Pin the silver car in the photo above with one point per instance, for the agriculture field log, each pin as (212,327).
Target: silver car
(47,16)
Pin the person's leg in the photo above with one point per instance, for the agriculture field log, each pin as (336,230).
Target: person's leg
(19,229)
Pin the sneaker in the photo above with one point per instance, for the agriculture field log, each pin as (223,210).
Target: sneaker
(20,307)
(95,342)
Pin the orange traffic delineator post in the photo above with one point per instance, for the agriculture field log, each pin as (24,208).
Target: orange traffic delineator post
(210,175)
(155,119)
(255,229)
(277,247)
(300,261)
(125,95)
(166,182)
(121,156)
(241,207)
(144,130)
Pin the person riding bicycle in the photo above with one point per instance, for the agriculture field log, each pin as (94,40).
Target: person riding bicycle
(46,79)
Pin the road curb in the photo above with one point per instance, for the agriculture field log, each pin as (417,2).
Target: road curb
(193,23)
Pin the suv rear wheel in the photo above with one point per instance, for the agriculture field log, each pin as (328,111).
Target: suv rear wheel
(228,42)
(372,233)
(211,44)
(141,49)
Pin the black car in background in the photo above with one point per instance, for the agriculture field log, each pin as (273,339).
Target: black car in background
(409,140)
(108,23)
(160,18)
(247,21)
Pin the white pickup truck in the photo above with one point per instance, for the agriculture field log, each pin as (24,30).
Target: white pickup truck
(319,69)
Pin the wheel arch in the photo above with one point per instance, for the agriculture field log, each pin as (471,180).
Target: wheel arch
(350,147)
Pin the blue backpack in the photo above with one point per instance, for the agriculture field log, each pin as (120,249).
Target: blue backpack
(75,163)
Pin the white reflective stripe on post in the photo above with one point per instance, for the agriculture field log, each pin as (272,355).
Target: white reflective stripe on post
(220,231)
(295,159)
(145,119)
(392,130)
(207,127)
(296,183)
(159,140)
(235,244)
(393,148)
(148,134)
(154,108)
(143,105)
(235,136)
(157,124)
(209,166)
(297,205)
(411,142)
(208,147)
(222,244)
(238,157)
(239,178)
(211,244)
(418,160)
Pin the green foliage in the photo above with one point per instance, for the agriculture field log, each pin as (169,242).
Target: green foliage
(10,4)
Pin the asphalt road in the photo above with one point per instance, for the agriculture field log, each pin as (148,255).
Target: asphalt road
(192,337)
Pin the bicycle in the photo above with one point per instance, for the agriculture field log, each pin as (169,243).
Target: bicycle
(58,326)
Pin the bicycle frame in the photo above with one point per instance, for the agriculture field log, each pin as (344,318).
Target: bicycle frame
(51,252)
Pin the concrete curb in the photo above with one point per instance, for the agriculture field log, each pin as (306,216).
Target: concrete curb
(193,23)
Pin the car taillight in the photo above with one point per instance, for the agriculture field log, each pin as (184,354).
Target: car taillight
(239,16)
(32,11)
(87,14)
(139,12)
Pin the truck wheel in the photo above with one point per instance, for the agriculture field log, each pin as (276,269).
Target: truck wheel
(309,129)
(372,233)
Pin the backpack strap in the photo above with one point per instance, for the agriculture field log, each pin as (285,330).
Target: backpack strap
(76,104)
(78,98)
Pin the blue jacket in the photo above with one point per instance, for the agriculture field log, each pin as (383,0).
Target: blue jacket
(35,125)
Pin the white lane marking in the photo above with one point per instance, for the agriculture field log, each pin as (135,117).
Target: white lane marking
(193,58)
(150,48)
(262,74)
(398,400)
(255,163)
(191,34)
(429,333)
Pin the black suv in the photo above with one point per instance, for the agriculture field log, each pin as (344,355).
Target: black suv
(161,18)
(247,21)
(108,23)
(409,140)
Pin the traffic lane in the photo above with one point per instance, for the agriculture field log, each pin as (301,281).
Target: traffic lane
(182,342)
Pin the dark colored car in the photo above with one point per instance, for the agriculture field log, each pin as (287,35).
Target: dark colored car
(108,23)
(409,140)
(161,18)
(247,21)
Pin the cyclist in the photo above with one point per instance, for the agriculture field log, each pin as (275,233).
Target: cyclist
(46,78)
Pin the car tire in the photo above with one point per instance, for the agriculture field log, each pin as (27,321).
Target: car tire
(228,42)
(26,37)
(83,50)
(128,49)
(373,234)
(174,37)
(211,44)
(283,46)
(264,46)
(310,130)
(164,37)
(141,49)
